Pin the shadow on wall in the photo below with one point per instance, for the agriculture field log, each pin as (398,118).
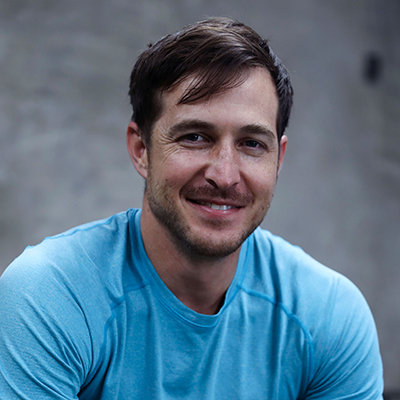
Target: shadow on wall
(391,395)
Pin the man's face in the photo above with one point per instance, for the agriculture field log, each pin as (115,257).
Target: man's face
(213,165)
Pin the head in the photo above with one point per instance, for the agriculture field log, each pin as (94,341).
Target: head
(220,53)
(210,106)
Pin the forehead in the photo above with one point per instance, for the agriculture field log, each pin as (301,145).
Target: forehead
(253,101)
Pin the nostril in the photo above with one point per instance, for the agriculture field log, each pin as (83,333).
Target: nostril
(212,183)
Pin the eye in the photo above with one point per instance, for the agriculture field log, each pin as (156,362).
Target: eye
(192,137)
(252,143)
(193,140)
(253,147)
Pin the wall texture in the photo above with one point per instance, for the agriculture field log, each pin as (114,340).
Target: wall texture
(64,111)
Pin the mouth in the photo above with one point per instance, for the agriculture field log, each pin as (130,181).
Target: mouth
(214,206)
(214,201)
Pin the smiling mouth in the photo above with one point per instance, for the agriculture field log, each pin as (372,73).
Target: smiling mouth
(213,206)
(222,207)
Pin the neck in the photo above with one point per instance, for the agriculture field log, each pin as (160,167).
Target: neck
(198,282)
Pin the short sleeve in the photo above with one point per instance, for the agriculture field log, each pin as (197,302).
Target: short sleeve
(44,339)
(348,364)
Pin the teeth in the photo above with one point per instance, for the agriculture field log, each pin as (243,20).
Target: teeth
(222,207)
(213,206)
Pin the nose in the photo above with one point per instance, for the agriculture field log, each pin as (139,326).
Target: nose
(223,170)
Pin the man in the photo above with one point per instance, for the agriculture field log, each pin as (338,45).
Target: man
(188,298)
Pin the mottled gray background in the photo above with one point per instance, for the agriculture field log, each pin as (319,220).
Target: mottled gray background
(64,111)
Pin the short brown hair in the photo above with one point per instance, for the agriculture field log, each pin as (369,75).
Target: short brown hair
(220,52)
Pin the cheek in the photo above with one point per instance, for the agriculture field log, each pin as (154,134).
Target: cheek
(181,169)
(261,181)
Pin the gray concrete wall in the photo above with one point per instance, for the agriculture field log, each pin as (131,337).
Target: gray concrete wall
(64,111)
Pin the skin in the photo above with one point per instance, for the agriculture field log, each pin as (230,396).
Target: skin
(220,152)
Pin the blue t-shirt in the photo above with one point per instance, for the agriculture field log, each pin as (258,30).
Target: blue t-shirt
(84,315)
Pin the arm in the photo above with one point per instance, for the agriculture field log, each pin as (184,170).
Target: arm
(347,360)
(44,340)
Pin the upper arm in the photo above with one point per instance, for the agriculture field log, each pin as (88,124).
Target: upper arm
(347,359)
(44,339)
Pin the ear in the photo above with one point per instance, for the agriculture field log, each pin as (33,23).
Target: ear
(282,150)
(137,149)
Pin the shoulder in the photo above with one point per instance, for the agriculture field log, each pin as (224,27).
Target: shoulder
(301,284)
(77,270)
(290,275)
(79,253)
(327,307)
(98,235)
(291,271)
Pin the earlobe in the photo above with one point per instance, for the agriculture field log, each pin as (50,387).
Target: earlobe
(137,149)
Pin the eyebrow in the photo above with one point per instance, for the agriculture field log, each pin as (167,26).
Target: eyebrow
(258,129)
(195,124)
(192,124)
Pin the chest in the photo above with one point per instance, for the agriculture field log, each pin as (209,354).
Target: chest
(253,351)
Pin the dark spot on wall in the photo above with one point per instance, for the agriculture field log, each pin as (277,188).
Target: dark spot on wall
(373,64)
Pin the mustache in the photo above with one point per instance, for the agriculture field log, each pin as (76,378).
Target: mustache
(209,192)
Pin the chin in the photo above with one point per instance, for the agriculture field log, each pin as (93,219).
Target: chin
(197,245)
